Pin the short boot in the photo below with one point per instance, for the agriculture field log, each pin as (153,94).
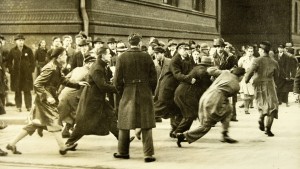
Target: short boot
(261,125)
(227,139)
(269,133)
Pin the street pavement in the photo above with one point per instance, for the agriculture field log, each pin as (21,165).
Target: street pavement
(254,151)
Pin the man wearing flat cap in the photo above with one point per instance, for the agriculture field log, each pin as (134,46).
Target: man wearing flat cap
(225,61)
(179,67)
(204,50)
(171,48)
(21,66)
(78,58)
(264,70)
(135,79)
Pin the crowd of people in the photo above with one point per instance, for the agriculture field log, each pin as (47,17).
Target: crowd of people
(96,88)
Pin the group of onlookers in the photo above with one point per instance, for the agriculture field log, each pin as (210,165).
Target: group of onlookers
(114,89)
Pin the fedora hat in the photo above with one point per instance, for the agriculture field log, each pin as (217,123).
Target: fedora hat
(185,45)
(83,42)
(219,42)
(121,47)
(19,36)
(111,40)
(98,40)
(2,37)
(204,46)
(206,61)
(57,51)
(159,49)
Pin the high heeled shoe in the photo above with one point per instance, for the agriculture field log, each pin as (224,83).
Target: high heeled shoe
(13,149)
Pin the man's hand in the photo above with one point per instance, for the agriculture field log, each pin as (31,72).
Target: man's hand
(83,83)
(51,100)
(193,81)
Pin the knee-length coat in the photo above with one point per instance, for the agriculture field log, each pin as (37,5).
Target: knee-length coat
(214,103)
(94,114)
(264,70)
(21,66)
(135,78)
(187,95)
(46,85)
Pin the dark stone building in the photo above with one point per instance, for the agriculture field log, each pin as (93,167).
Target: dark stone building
(252,21)
(180,19)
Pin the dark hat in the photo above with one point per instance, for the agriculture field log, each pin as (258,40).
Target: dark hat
(89,58)
(154,41)
(238,71)
(183,44)
(56,52)
(111,40)
(98,40)
(219,42)
(81,35)
(191,42)
(265,45)
(159,49)
(19,36)
(171,43)
(281,46)
(83,42)
(206,61)
(134,37)
(121,47)
(2,37)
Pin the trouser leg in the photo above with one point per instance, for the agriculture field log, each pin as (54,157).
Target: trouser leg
(28,99)
(194,135)
(75,136)
(246,105)
(18,99)
(270,120)
(184,125)
(147,142)
(234,100)
(2,104)
(226,122)
(124,141)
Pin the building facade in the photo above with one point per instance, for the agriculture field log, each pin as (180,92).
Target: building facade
(179,19)
(252,21)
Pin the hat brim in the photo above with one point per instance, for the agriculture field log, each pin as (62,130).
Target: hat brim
(122,50)
(19,38)
(206,64)
(85,44)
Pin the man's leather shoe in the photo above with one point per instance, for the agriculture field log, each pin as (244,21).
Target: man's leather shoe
(149,159)
(180,139)
(269,133)
(13,149)
(3,153)
(40,132)
(228,140)
(123,156)
(71,147)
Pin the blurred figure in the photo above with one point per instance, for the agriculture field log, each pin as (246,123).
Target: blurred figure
(247,90)
(40,56)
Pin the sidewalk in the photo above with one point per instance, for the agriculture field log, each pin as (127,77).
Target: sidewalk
(254,150)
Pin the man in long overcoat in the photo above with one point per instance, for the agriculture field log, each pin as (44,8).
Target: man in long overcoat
(264,70)
(135,79)
(21,66)
(284,83)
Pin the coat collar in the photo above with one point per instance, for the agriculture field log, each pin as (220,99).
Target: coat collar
(134,49)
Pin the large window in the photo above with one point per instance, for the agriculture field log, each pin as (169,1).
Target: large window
(296,18)
(171,2)
(199,5)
